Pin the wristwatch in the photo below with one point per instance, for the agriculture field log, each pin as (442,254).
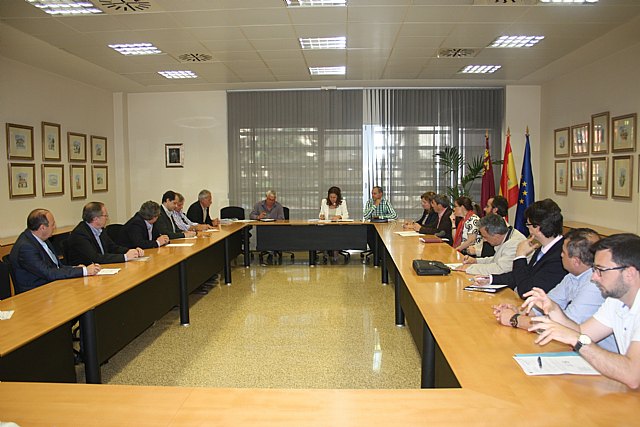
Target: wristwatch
(582,341)
(514,320)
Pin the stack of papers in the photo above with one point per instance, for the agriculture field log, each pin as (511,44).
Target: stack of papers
(491,289)
(6,315)
(566,362)
(108,271)
(408,233)
(175,245)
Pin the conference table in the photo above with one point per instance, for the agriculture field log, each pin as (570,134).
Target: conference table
(469,374)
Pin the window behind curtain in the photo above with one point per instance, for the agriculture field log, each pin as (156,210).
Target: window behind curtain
(300,143)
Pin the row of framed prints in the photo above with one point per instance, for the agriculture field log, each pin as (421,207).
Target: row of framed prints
(20,144)
(22,180)
(592,174)
(585,138)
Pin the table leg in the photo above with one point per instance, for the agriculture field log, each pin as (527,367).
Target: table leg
(247,253)
(428,377)
(227,263)
(312,258)
(90,347)
(385,268)
(399,312)
(376,249)
(184,294)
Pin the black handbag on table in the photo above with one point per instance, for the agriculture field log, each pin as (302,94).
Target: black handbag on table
(425,267)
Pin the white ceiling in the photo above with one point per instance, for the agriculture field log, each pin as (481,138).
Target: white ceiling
(254,43)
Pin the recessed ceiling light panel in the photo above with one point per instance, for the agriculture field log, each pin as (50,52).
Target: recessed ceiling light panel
(516,41)
(178,74)
(569,1)
(324,43)
(328,71)
(480,69)
(136,49)
(307,3)
(65,7)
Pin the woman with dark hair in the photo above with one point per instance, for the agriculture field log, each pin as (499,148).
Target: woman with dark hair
(467,232)
(334,207)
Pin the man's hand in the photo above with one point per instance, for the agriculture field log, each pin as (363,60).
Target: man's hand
(471,250)
(550,330)
(162,240)
(215,222)
(416,226)
(536,297)
(93,269)
(504,312)
(134,253)
(189,234)
(262,215)
(468,260)
(482,280)
(527,247)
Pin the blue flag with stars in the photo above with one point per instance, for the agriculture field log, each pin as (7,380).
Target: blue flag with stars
(526,195)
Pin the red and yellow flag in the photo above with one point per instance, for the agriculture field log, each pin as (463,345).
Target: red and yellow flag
(488,189)
(509,180)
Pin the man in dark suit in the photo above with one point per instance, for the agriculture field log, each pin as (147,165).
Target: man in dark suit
(88,243)
(442,227)
(199,210)
(140,230)
(165,223)
(544,270)
(33,259)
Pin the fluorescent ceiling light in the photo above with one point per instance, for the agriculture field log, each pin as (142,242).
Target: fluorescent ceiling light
(178,74)
(65,7)
(569,1)
(136,49)
(328,71)
(516,41)
(303,3)
(324,42)
(480,69)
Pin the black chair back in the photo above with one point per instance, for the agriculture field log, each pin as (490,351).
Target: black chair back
(113,231)
(232,212)
(5,277)
(286,212)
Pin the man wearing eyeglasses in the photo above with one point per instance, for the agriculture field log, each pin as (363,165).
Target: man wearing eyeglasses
(88,243)
(616,272)
(538,260)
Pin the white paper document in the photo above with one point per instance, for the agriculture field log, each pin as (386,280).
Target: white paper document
(6,315)
(566,362)
(140,259)
(108,271)
(408,233)
(454,265)
(176,245)
(210,230)
(245,220)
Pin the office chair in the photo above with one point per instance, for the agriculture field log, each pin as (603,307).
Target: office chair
(232,212)
(113,231)
(5,278)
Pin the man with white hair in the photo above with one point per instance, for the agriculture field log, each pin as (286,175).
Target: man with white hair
(268,208)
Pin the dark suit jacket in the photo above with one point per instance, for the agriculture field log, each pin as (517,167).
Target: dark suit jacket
(194,213)
(82,247)
(32,266)
(135,235)
(445,226)
(544,274)
(165,225)
(428,219)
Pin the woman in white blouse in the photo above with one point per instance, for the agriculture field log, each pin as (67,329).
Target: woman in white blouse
(334,207)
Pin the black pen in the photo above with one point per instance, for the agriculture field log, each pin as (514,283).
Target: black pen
(540,362)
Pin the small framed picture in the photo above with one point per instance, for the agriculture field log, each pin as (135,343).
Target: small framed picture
(622,177)
(22,180)
(579,174)
(78,181)
(623,133)
(51,142)
(98,149)
(561,137)
(174,155)
(600,133)
(52,180)
(599,174)
(77,147)
(99,178)
(561,177)
(580,140)
(19,142)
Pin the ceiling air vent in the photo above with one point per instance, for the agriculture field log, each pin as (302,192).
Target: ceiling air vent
(456,53)
(120,6)
(505,2)
(195,57)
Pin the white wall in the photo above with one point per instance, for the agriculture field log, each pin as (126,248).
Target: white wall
(198,120)
(29,96)
(610,84)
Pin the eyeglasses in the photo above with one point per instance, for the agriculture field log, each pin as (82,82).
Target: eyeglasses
(528,224)
(601,270)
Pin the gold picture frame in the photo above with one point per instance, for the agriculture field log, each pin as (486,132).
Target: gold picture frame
(561,177)
(77,146)
(600,133)
(22,180)
(622,177)
(52,180)
(623,133)
(580,140)
(561,139)
(98,149)
(78,181)
(579,174)
(99,179)
(51,149)
(19,142)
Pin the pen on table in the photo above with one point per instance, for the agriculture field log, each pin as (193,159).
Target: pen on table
(539,362)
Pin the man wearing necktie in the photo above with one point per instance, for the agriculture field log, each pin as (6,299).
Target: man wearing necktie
(165,224)
(538,261)
(33,259)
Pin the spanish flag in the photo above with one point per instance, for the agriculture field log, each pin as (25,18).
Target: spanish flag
(509,180)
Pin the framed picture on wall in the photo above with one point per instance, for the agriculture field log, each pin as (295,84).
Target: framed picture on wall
(599,175)
(622,177)
(561,177)
(623,133)
(561,138)
(51,142)
(77,147)
(600,133)
(19,142)
(580,140)
(174,155)
(78,181)
(22,180)
(98,149)
(99,179)
(52,180)
(579,174)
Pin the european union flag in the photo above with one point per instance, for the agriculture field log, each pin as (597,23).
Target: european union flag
(526,195)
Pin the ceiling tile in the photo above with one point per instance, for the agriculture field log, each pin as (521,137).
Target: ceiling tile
(268,31)
(375,14)
(276,44)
